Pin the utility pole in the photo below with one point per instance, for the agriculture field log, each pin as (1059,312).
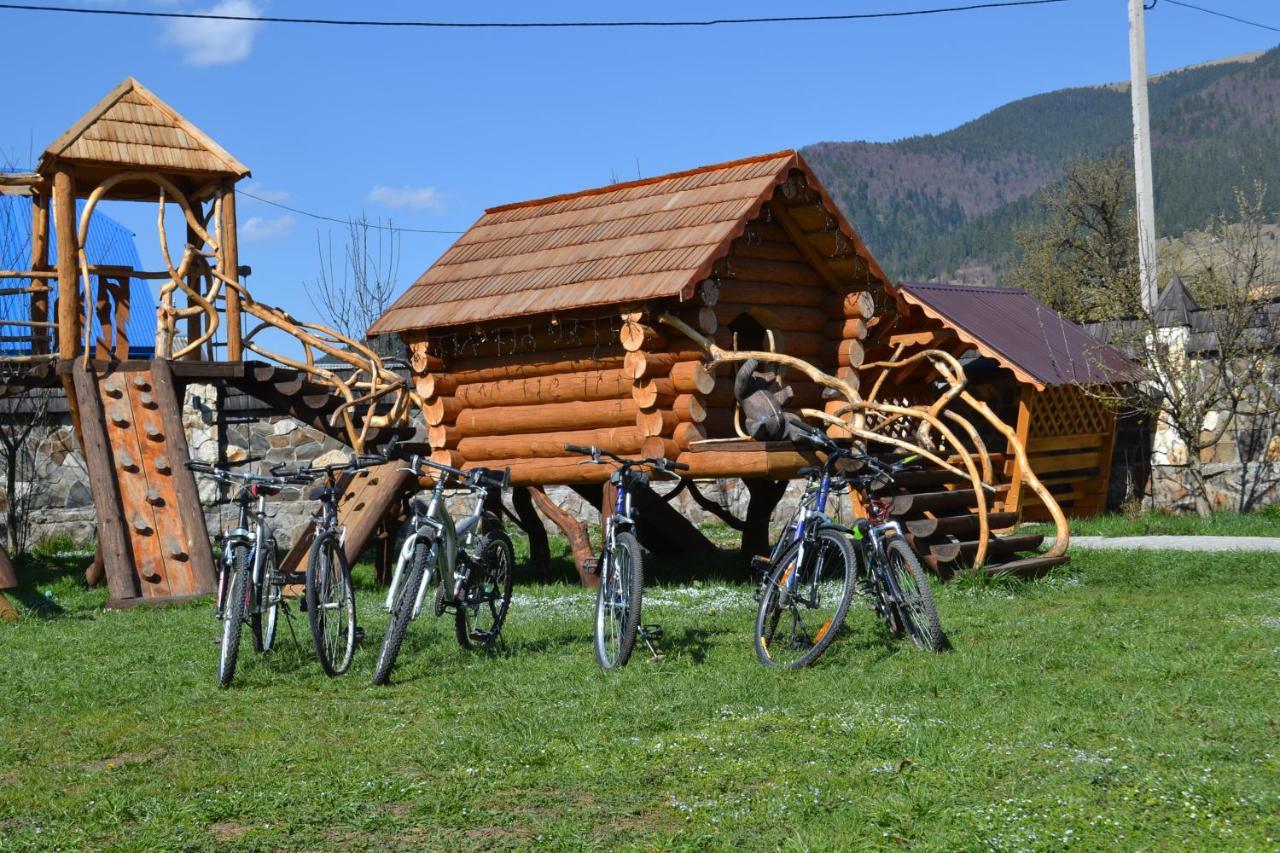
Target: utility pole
(1142,155)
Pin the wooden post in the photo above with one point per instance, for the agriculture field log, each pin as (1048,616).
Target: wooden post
(575,530)
(69,308)
(229,267)
(39,263)
(531,524)
(1025,404)
(195,323)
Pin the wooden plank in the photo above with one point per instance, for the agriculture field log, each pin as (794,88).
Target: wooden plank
(1066,462)
(1025,404)
(113,540)
(64,213)
(1047,444)
(195,533)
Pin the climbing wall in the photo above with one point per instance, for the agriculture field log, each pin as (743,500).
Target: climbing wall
(151,529)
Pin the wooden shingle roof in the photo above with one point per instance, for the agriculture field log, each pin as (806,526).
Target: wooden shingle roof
(133,127)
(646,239)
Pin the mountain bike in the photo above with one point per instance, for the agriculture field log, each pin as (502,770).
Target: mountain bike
(806,598)
(620,595)
(475,582)
(250,585)
(329,597)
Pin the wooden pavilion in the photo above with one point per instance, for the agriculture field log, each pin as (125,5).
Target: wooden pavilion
(549,322)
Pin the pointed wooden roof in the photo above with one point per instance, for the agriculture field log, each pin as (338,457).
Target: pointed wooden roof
(132,127)
(646,239)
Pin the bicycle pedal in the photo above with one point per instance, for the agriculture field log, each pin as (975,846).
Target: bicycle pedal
(650,632)
(761,563)
(359,635)
(591,565)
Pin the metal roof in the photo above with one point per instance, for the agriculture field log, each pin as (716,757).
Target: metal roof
(109,244)
(1022,333)
(647,239)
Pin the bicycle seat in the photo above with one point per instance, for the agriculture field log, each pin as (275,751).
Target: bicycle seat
(264,489)
(317,494)
(808,471)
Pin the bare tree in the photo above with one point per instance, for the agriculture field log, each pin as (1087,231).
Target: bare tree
(352,293)
(24,425)
(1208,350)
(1081,259)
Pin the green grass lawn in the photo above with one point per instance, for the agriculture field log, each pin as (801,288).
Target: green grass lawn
(1265,522)
(1128,700)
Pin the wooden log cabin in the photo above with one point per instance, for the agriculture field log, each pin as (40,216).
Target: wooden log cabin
(539,327)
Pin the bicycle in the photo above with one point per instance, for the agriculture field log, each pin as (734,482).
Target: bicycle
(476,584)
(250,585)
(329,597)
(817,569)
(620,594)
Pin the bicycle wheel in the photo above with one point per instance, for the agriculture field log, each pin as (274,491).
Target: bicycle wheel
(806,601)
(402,610)
(331,604)
(235,601)
(266,606)
(912,597)
(479,617)
(619,599)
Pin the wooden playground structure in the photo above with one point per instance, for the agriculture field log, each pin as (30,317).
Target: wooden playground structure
(617,317)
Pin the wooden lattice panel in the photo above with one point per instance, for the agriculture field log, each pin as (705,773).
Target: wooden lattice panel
(1067,410)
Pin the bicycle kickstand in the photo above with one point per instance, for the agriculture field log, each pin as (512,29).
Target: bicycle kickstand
(651,634)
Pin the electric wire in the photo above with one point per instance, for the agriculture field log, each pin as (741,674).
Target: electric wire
(512,25)
(347,221)
(1216,13)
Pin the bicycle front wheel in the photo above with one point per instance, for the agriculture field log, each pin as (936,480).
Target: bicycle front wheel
(805,601)
(912,597)
(618,602)
(483,609)
(266,607)
(331,605)
(402,611)
(235,602)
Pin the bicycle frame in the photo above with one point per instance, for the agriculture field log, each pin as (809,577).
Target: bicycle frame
(446,537)
(252,530)
(621,518)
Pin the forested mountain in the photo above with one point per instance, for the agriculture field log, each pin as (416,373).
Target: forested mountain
(946,205)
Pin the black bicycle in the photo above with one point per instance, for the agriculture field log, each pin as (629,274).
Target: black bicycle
(250,584)
(620,595)
(329,597)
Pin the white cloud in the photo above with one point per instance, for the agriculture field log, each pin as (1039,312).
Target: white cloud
(265,193)
(206,42)
(413,198)
(263,229)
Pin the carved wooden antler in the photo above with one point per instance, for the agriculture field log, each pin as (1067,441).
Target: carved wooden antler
(928,419)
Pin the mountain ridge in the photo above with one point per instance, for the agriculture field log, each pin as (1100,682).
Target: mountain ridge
(941,205)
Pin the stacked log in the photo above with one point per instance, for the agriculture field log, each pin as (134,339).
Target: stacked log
(669,386)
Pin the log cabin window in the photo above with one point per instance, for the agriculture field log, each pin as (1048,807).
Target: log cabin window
(748,333)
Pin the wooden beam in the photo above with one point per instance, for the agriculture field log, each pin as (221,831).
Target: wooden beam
(40,263)
(229,267)
(1026,403)
(64,213)
(783,217)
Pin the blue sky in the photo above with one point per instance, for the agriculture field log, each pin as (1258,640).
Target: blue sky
(429,127)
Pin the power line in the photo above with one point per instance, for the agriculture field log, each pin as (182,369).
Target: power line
(514,25)
(324,218)
(1223,15)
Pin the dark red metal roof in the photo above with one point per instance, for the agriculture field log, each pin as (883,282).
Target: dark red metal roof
(1022,333)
